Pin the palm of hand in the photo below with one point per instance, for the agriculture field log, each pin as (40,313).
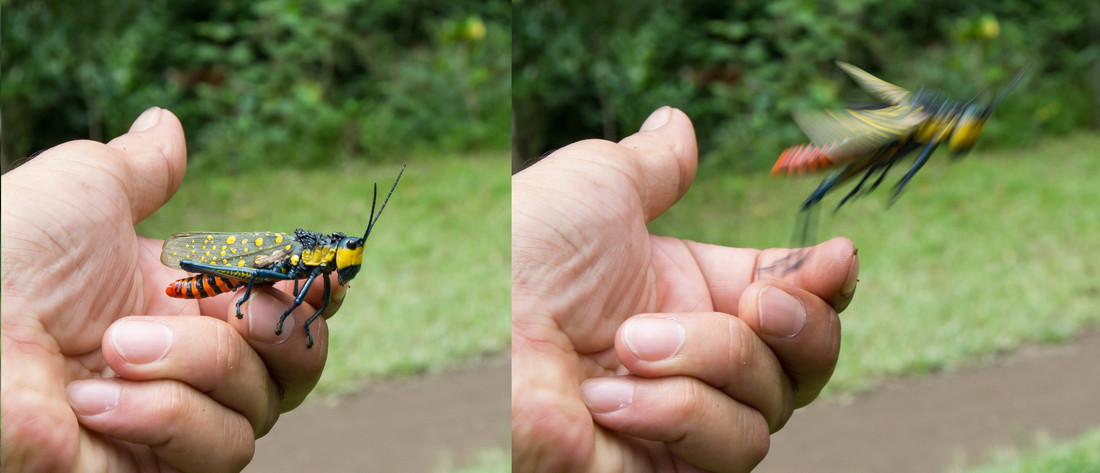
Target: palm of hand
(613,269)
(73,265)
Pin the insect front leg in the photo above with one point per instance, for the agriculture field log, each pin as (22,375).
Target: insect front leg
(297,301)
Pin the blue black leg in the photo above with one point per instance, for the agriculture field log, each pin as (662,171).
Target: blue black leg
(297,301)
(327,297)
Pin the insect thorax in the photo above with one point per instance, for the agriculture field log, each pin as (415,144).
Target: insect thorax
(317,250)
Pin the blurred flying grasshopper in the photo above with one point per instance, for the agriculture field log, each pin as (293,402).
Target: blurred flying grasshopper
(869,141)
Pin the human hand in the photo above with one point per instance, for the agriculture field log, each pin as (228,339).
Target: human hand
(101,370)
(634,352)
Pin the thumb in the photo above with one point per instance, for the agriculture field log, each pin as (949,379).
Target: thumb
(154,157)
(652,168)
(668,158)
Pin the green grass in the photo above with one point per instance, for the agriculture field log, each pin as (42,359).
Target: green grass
(434,288)
(1080,455)
(976,257)
(492,460)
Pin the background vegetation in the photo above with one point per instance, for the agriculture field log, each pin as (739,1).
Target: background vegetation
(1081,455)
(739,69)
(270,83)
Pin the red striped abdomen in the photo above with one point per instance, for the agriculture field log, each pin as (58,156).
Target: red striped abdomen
(802,158)
(201,285)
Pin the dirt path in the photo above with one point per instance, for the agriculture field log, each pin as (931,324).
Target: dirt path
(949,419)
(916,425)
(410,425)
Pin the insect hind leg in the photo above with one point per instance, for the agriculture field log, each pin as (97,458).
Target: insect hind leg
(327,298)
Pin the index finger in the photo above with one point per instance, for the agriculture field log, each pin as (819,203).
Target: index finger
(828,270)
(292,363)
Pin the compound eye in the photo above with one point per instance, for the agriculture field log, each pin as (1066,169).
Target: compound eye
(352,244)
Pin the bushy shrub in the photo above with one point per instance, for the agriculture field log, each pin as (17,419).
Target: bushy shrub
(740,69)
(265,83)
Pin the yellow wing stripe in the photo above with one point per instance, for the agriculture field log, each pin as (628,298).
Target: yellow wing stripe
(873,85)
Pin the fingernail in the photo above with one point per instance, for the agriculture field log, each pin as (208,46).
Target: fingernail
(781,315)
(657,119)
(336,301)
(92,397)
(264,311)
(849,287)
(653,339)
(140,342)
(603,395)
(148,119)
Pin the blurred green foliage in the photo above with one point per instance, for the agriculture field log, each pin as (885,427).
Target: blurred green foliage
(271,83)
(739,69)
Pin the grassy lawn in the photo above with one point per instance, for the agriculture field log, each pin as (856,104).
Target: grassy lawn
(492,460)
(434,288)
(976,257)
(1079,455)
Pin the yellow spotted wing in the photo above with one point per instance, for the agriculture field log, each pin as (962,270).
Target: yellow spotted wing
(242,249)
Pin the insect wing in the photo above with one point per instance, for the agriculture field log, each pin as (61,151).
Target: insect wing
(881,89)
(238,250)
(849,134)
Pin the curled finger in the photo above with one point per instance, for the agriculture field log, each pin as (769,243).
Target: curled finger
(202,352)
(801,329)
(719,349)
(700,425)
(184,428)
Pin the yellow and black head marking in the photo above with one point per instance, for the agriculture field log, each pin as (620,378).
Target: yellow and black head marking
(226,261)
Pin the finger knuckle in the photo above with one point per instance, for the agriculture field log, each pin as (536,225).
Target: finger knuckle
(757,437)
(226,353)
(243,442)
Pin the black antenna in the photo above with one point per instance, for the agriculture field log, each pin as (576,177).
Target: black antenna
(374,218)
(1001,96)
(968,102)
